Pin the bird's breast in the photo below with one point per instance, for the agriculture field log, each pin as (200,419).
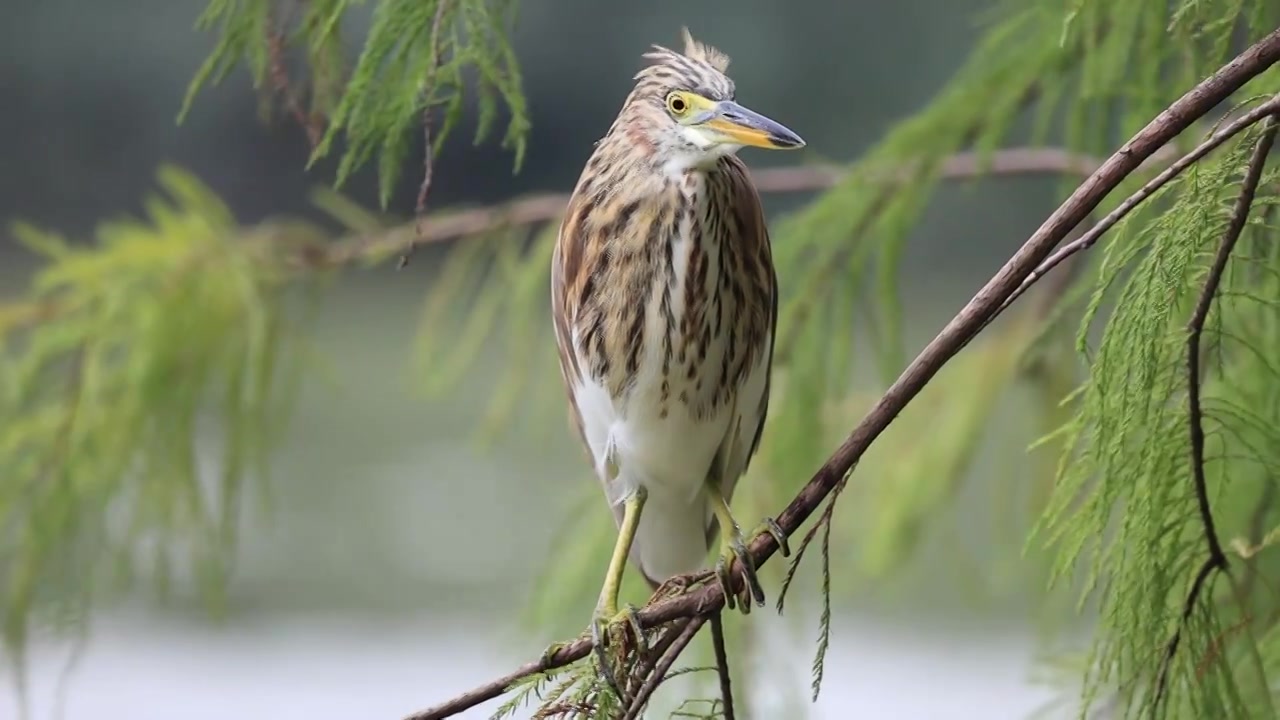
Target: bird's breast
(680,322)
(670,319)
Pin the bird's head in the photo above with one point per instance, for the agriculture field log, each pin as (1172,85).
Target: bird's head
(683,109)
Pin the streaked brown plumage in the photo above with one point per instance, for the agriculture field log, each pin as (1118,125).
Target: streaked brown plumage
(664,299)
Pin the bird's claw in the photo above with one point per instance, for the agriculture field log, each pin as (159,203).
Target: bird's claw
(731,548)
(769,525)
(605,626)
(549,654)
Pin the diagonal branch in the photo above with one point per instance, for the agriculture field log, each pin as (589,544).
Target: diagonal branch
(1087,240)
(987,303)
(1217,560)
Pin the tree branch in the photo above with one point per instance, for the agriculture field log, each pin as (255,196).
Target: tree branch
(428,152)
(311,123)
(545,207)
(662,667)
(1086,241)
(1217,559)
(987,303)
(722,665)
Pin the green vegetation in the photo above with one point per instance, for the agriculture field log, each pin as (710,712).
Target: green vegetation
(103,381)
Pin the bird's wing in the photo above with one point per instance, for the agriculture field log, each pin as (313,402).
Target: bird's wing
(751,405)
(566,266)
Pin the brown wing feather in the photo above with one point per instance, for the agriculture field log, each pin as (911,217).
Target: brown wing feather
(743,442)
(566,266)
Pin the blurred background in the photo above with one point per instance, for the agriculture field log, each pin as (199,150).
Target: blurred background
(388,571)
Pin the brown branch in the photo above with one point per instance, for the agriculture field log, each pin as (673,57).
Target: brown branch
(953,337)
(663,665)
(722,666)
(646,663)
(545,207)
(1217,559)
(428,152)
(1086,241)
(312,123)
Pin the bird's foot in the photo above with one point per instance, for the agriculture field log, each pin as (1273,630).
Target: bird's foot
(769,525)
(609,630)
(732,546)
(548,656)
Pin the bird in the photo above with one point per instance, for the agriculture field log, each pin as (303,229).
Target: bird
(664,299)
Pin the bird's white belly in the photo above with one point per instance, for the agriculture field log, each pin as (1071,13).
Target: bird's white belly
(633,443)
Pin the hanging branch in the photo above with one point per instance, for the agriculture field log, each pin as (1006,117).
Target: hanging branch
(428,150)
(660,669)
(1217,560)
(722,665)
(277,27)
(976,314)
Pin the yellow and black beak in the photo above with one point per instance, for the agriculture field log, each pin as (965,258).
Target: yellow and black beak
(748,127)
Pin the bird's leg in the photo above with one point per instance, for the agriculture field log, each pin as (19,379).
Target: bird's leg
(731,546)
(607,616)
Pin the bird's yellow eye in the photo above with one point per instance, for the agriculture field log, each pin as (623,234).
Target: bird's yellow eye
(677,104)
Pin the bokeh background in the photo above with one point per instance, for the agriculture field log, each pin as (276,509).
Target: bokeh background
(386,573)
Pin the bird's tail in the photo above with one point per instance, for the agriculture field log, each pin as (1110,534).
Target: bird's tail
(672,536)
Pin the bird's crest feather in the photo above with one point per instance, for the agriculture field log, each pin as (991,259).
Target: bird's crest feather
(705,53)
(694,50)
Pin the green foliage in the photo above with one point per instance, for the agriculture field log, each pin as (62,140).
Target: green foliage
(1125,507)
(572,691)
(123,352)
(414,65)
(103,386)
(1087,75)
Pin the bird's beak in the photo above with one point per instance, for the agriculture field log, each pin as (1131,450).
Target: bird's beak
(748,127)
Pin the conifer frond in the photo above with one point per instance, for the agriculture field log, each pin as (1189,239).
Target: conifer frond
(99,403)
(1124,507)
(414,65)
(122,353)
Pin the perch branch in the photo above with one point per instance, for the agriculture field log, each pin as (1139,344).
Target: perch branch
(953,338)
(1217,559)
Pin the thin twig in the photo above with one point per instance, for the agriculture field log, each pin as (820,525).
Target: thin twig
(1086,241)
(823,520)
(722,664)
(276,29)
(953,337)
(662,667)
(1217,559)
(650,658)
(428,152)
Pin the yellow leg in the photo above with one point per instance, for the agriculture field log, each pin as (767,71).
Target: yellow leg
(732,546)
(608,605)
(607,616)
